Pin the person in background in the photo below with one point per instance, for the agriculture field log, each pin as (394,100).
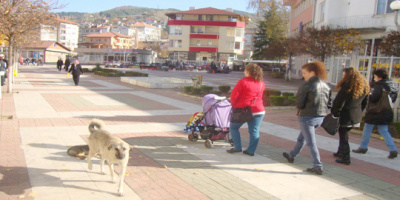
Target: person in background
(76,70)
(348,105)
(313,101)
(248,92)
(3,69)
(383,119)
(66,64)
(59,64)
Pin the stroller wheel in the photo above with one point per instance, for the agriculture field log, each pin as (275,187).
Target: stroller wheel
(193,137)
(208,143)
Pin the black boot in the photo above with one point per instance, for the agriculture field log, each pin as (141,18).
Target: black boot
(393,154)
(339,152)
(343,161)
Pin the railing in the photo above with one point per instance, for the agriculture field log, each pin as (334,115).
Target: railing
(362,21)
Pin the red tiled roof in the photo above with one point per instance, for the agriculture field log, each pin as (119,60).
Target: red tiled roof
(108,34)
(66,21)
(205,11)
(45,45)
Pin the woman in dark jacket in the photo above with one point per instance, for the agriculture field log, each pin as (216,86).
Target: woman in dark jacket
(66,64)
(383,119)
(313,100)
(348,105)
(76,70)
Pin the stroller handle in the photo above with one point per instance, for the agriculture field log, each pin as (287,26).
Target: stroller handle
(219,98)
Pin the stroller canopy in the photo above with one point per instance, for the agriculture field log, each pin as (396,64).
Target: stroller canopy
(216,112)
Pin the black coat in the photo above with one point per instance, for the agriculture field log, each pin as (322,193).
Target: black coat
(76,70)
(67,62)
(60,62)
(314,98)
(384,118)
(347,108)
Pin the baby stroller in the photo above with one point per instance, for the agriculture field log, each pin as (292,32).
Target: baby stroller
(213,124)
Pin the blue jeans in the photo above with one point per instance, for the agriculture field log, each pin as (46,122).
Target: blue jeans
(254,127)
(307,135)
(383,130)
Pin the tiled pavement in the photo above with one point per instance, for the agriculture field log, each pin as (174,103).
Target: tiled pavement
(49,114)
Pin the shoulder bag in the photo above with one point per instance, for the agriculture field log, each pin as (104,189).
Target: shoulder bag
(330,124)
(384,104)
(239,115)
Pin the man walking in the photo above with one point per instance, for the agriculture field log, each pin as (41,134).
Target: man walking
(3,69)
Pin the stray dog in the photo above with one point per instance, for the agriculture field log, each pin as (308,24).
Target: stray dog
(79,151)
(112,149)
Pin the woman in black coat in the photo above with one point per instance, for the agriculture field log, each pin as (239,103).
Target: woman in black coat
(76,70)
(348,105)
(381,119)
(66,64)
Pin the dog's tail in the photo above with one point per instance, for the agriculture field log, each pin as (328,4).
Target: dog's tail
(96,123)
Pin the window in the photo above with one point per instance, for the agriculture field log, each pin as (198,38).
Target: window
(179,17)
(210,43)
(230,31)
(200,17)
(198,43)
(173,30)
(229,45)
(175,43)
(237,45)
(383,7)
(239,32)
(322,11)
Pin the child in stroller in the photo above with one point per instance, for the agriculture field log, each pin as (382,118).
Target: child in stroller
(213,123)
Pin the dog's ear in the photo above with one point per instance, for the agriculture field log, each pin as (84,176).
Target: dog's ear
(109,147)
(130,148)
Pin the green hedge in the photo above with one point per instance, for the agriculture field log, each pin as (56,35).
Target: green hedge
(187,89)
(277,74)
(206,88)
(277,100)
(270,92)
(291,100)
(224,88)
(117,73)
(217,92)
(196,90)
(287,94)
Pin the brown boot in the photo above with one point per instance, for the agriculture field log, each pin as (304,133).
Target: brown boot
(393,154)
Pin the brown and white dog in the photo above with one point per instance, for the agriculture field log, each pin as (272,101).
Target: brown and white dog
(112,149)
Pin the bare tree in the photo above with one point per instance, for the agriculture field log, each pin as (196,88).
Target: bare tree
(327,41)
(390,45)
(20,22)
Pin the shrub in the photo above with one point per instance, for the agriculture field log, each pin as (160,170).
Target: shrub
(187,89)
(396,128)
(133,73)
(291,100)
(287,94)
(277,74)
(269,92)
(277,100)
(224,88)
(85,70)
(217,92)
(206,88)
(196,90)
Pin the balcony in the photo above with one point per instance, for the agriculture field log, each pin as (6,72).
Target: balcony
(358,22)
(194,48)
(204,36)
(206,23)
(289,2)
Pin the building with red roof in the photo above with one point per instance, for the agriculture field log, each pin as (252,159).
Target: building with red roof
(206,34)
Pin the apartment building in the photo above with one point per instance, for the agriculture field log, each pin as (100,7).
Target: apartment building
(151,33)
(65,32)
(371,18)
(206,34)
(92,29)
(107,40)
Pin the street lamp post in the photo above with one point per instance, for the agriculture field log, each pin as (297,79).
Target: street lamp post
(395,5)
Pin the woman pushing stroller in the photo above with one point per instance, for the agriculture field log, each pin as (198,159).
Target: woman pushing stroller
(248,92)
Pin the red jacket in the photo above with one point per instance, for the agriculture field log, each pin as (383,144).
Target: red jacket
(244,93)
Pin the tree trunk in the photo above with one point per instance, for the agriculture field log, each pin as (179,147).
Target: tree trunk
(10,66)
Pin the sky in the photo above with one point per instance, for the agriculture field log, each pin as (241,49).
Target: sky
(92,6)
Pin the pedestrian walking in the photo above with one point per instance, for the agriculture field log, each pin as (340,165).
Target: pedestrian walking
(76,70)
(3,69)
(66,64)
(348,105)
(59,64)
(313,101)
(248,92)
(381,119)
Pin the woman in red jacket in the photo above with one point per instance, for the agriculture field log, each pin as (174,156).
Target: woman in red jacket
(248,92)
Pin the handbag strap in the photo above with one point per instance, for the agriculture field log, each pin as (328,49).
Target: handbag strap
(254,101)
